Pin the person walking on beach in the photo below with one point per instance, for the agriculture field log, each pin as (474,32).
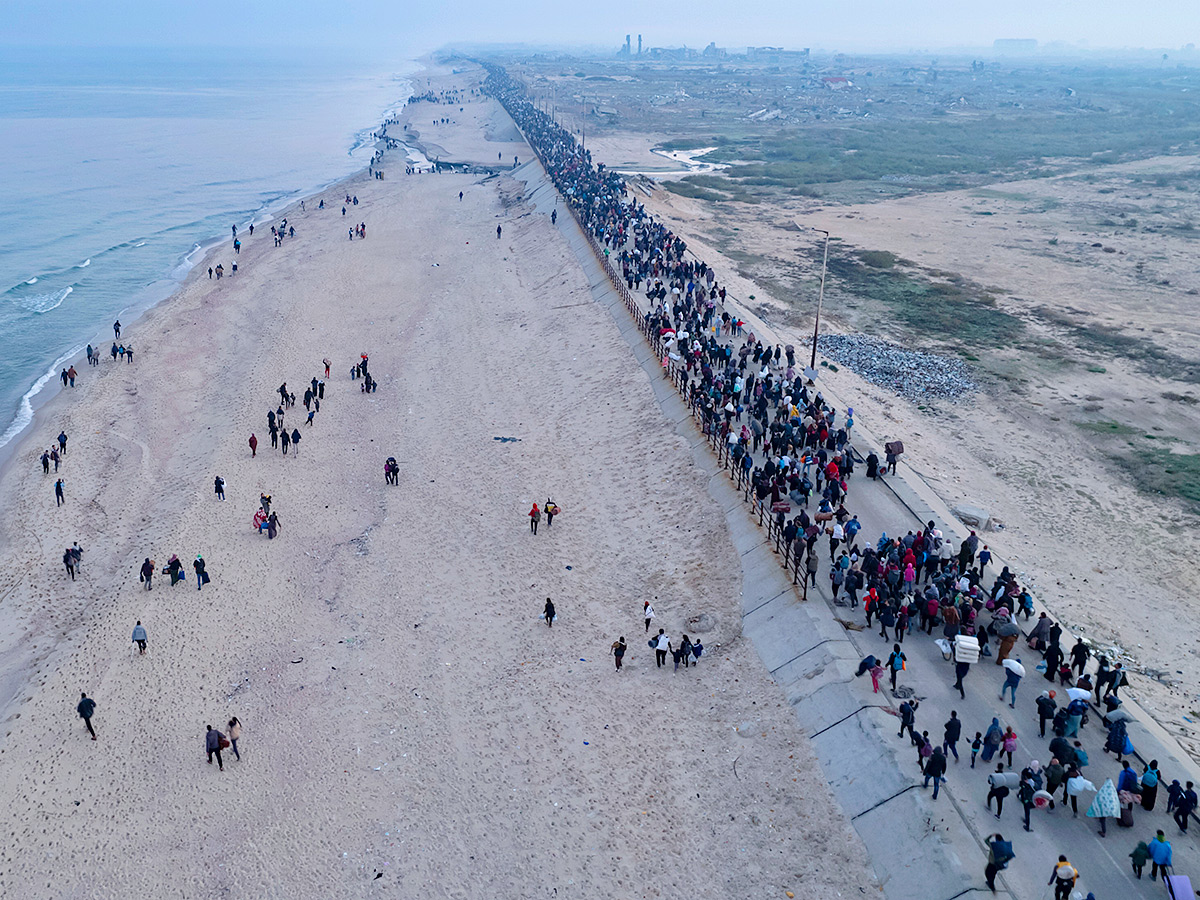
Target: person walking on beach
(139,637)
(213,740)
(648,612)
(201,575)
(497,232)
(219,487)
(287,440)
(117,329)
(147,572)
(58,493)
(548,613)
(69,562)
(551,511)
(295,442)
(535,516)
(662,644)
(618,651)
(72,375)
(235,731)
(86,709)
(62,443)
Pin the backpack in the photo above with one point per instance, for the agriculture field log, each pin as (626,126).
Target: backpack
(1002,853)
(897,661)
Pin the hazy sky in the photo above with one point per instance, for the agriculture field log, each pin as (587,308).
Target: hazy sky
(394,25)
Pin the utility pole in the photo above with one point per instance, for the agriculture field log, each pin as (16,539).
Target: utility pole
(820,299)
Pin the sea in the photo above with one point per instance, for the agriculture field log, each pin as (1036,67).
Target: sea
(119,167)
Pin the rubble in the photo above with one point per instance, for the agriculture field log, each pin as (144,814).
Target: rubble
(913,374)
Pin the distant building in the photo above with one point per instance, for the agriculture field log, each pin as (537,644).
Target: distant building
(1014,45)
(673,53)
(625,52)
(837,83)
(775,55)
(712,51)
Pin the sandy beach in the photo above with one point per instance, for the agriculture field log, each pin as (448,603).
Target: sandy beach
(406,713)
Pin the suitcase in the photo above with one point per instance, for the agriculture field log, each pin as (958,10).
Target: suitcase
(1126,820)
(1179,887)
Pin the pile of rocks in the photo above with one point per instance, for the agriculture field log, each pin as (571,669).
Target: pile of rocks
(912,374)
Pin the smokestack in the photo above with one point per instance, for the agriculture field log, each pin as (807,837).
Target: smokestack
(626,45)
(639,45)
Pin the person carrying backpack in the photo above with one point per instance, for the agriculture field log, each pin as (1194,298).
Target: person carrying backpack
(1000,853)
(895,663)
(1063,878)
(1025,794)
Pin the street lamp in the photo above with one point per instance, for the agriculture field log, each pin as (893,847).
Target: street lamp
(820,299)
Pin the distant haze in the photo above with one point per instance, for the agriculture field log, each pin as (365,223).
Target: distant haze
(388,27)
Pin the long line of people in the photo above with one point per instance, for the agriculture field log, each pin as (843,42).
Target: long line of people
(794,449)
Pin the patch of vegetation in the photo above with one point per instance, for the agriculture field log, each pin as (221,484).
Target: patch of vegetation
(684,189)
(1099,370)
(877,259)
(968,149)
(958,312)
(735,190)
(1105,339)
(1159,471)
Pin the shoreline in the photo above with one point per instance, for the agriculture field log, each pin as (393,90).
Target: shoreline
(53,399)
(366,657)
(46,387)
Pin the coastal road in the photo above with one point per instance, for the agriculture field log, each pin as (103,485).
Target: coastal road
(918,847)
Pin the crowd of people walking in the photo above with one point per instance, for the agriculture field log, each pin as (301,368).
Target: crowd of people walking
(795,451)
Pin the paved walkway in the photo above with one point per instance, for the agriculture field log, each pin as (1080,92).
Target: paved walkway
(918,847)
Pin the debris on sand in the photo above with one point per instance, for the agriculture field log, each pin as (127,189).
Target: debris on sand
(913,374)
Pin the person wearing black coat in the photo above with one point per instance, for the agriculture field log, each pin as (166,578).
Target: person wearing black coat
(872,465)
(1046,708)
(935,768)
(1054,658)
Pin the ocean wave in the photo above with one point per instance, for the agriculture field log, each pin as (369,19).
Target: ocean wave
(32,280)
(25,410)
(83,265)
(43,303)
